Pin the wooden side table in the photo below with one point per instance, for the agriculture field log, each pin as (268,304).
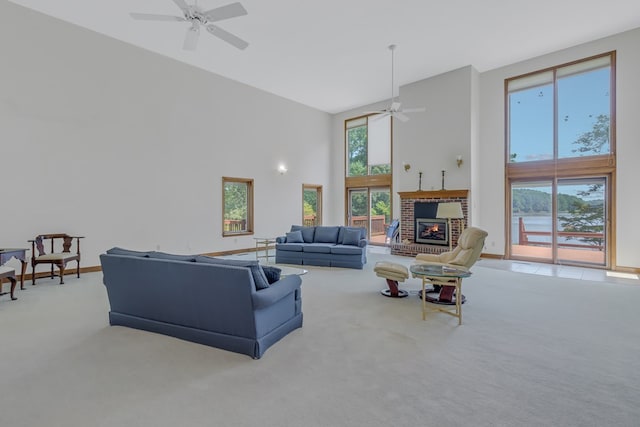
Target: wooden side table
(441,275)
(264,243)
(18,253)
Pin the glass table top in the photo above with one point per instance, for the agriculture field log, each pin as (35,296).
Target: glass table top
(438,270)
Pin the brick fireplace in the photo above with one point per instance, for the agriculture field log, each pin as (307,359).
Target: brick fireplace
(407,245)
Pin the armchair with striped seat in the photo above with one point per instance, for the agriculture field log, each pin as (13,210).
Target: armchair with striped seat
(55,257)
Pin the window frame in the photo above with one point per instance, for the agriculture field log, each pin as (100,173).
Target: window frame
(601,165)
(249,224)
(562,162)
(368,181)
(318,190)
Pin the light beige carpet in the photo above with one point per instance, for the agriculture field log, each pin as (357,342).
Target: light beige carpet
(533,351)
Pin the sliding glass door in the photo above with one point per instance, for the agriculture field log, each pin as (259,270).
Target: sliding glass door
(371,208)
(562,221)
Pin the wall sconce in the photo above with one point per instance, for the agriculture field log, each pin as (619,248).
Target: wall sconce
(459,160)
(406,166)
(282,169)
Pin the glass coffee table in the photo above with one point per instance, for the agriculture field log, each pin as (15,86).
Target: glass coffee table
(287,269)
(449,278)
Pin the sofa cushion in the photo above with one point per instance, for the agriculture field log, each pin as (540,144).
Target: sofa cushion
(173,257)
(120,251)
(271,273)
(346,250)
(321,248)
(256,271)
(351,237)
(307,232)
(326,234)
(289,247)
(295,237)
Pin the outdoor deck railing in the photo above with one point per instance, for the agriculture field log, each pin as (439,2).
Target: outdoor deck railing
(378,225)
(235,225)
(523,237)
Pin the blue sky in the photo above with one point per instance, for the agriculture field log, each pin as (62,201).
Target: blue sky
(581,98)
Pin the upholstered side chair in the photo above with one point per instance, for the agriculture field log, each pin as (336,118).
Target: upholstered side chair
(55,257)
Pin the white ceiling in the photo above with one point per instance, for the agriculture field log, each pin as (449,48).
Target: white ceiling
(332,54)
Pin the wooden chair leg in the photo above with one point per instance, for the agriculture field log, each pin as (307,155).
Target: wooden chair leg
(78,269)
(13,288)
(33,274)
(61,267)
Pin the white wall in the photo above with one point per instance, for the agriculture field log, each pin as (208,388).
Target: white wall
(128,148)
(490,187)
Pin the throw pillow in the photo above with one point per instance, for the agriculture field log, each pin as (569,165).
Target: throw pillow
(127,252)
(272,273)
(258,275)
(295,237)
(351,237)
(172,257)
(307,232)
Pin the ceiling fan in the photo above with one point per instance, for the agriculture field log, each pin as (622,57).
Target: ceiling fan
(394,109)
(198,18)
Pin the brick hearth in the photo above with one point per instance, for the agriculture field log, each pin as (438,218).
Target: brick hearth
(407,246)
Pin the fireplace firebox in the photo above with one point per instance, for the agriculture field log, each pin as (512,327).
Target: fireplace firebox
(432,231)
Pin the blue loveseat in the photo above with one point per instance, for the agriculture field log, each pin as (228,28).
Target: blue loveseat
(330,246)
(222,303)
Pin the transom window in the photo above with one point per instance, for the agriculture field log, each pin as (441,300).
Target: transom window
(562,112)
(368,146)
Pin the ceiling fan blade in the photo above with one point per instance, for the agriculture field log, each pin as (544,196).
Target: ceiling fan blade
(380,115)
(191,39)
(153,17)
(182,5)
(225,12)
(227,36)
(400,117)
(414,110)
(395,106)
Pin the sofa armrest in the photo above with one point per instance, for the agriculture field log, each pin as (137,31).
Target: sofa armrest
(281,239)
(363,243)
(276,291)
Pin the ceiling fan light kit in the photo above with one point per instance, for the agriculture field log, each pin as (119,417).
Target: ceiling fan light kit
(197,18)
(394,109)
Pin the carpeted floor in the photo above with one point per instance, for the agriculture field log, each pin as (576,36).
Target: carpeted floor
(532,351)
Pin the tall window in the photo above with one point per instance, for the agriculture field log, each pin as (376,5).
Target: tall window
(311,204)
(560,162)
(368,177)
(560,113)
(237,202)
(368,146)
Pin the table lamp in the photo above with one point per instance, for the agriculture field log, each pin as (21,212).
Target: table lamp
(450,210)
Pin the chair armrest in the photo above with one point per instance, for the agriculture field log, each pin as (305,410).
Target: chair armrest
(276,291)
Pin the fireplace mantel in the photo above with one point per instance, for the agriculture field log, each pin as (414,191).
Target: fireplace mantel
(434,194)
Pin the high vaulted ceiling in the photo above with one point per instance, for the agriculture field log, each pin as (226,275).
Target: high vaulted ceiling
(332,54)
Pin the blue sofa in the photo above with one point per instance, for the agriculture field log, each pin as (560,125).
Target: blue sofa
(330,246)
(222,303)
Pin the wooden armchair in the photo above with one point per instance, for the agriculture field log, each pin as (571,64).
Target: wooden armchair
(60,259)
